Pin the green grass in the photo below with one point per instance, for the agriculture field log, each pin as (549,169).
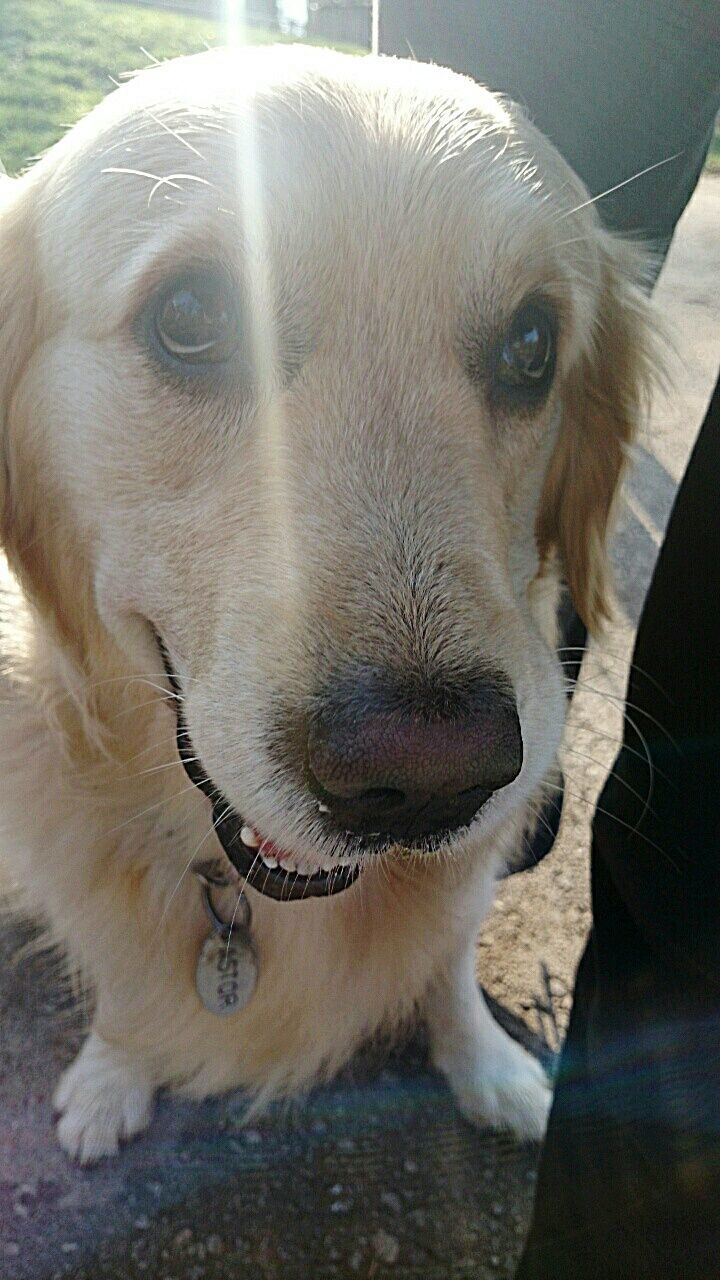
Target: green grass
(57,58)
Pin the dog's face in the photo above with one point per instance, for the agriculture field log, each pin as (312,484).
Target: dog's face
(321,370)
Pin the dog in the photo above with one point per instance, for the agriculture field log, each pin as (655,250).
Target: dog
(318,378)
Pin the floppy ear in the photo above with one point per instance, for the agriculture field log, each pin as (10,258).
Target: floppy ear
(604,397)
(37,542)
(42,547)
(17,317)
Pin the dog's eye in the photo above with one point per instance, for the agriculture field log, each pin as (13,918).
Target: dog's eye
(195,320)
(525,359)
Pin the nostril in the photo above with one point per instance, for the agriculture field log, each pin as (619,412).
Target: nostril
(473,793)
(384,756)
(382,799)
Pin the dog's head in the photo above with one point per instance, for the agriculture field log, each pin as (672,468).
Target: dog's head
(321,370)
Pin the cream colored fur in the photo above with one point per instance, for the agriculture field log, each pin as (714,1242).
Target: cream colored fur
(367,505)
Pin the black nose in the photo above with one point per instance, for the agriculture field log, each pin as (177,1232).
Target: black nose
(408,763)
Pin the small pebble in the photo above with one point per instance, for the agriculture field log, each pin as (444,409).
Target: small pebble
(253,1137)
(143,1222)
(11,1249)
(386,1247)
(409,1165)
(214,1245)
(69,1246)
(392,1201)
(183,1238)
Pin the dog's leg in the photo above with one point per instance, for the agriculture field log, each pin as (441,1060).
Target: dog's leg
(103,1098)
(495,1081)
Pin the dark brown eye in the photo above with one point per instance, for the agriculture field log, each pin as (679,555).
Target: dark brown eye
(525,359)
(195,319)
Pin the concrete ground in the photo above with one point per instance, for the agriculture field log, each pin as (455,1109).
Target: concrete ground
(375,1176)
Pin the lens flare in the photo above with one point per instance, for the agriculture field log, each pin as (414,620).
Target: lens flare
(262,309)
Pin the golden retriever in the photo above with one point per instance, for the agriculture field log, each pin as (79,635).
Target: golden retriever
(317,376)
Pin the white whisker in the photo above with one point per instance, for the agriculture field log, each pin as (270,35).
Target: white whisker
(619,185)
(232,923)
(597,808)
(173,132)
(613,773)
(160,768)
(151,808)
(212,828)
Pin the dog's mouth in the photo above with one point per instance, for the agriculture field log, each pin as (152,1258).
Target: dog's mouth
(274,872)
(271,870)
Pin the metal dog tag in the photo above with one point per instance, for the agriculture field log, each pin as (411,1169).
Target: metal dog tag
(227,969)
(226,973)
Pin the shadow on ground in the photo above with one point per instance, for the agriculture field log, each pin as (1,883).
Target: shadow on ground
(375,1175)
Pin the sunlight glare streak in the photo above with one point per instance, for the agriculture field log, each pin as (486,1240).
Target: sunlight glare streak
(262,310)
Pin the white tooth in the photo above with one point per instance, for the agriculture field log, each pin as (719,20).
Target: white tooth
(323,808)
(249,837)
(287,865)
(327,866)
(270,862)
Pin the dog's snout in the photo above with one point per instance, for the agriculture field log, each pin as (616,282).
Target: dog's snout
(407,764)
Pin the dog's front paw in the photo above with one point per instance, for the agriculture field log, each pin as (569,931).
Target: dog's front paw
(500,1086)
(102,1099)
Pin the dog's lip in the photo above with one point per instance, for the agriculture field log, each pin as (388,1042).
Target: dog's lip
(247,851)
(283,884)
(246,854)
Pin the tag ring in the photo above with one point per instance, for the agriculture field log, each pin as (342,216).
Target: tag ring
(241,914)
